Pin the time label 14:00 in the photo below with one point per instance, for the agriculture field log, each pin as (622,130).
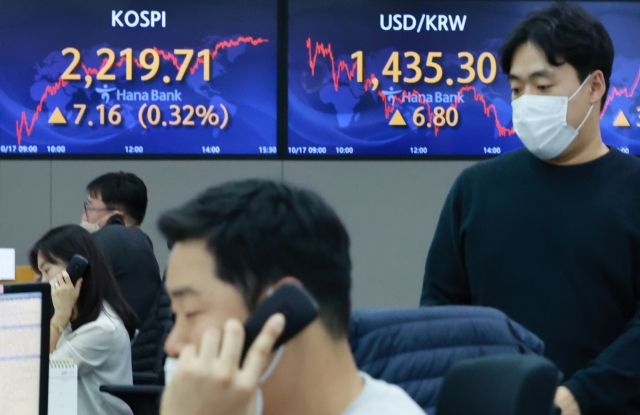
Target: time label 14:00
(148,59)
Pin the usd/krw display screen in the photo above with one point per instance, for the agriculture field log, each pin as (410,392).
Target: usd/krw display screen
(411,78)
(112,77)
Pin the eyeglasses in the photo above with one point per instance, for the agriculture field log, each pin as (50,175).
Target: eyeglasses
(88,208)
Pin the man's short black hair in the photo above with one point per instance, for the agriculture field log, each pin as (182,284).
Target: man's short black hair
(566,33)
(260,231)
(123,191)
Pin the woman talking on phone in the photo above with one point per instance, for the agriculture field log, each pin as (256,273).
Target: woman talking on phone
(92,323)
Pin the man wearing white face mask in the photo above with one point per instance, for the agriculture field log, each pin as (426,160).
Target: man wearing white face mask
(541,121)
(121,194)
(550,234)
(233,244)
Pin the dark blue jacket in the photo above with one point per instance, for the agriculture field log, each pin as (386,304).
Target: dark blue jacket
(413,348)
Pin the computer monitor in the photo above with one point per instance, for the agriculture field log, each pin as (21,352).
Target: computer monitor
(24,348)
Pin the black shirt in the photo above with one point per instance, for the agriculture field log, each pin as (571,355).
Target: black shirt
(129,253)
(558,250)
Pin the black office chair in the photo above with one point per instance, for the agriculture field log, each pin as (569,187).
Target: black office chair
(147,353)
(147,349)
(415,348)
(500,385)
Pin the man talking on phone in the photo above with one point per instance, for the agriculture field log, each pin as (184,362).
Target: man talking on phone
(235,244)
(113,212)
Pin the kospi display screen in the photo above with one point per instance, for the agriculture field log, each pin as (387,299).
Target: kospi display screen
(118,77)
(411,78)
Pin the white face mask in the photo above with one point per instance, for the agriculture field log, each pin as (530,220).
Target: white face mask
(170,365)
(541,123)
(95,227)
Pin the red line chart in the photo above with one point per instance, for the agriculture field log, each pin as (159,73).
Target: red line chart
(342,67)
(619,92)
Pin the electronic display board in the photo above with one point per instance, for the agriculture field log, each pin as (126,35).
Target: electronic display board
(124,77)
(415,78)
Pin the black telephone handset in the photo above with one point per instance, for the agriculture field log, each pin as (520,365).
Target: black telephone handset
(297,305)
(77,267)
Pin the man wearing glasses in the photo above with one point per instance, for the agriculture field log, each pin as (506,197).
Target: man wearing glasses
(115,194)
(115,207)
